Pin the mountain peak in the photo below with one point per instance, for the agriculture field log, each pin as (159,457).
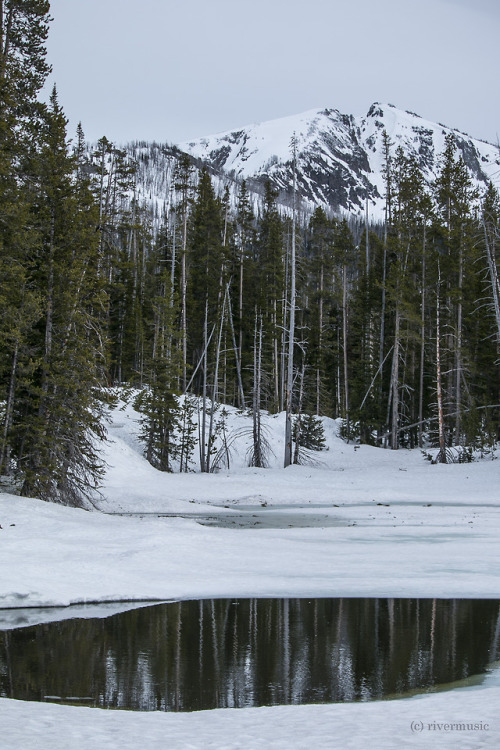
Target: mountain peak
(340,157)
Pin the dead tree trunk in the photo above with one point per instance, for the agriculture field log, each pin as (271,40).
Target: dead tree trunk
(458,348)
(320,340)
(291,330)
(441,457)
(344,342)
(422,347)
(203,445)
(494,280)
(394,389)
(257,454)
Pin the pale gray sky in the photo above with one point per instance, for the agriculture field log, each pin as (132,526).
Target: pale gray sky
(173,70)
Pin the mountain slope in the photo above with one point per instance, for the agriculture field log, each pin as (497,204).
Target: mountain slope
(340,157)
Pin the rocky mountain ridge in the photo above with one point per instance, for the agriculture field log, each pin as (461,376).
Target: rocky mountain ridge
(339,157)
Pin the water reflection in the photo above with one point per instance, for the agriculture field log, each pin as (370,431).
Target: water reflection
(194,655)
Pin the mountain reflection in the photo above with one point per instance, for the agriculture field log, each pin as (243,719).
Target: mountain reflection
(193,655)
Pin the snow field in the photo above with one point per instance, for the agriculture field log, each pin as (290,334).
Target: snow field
(405,528)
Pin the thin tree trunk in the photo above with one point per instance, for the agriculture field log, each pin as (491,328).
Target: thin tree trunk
(240,307)
(387,221)
(291,330)
(382,311)
(276,366)
(441,457)
(184,301)
(284,330)
(257,455)
(395,383)
(215,384)
(237,356)
(203,453)
(5,38)
(344,336)
(367,242)
(494,280)
(76,300)
(172,266)
(9,410)
(458,353)
(320,341)
(296,456)
(50,318)
(422,346)
(339,380)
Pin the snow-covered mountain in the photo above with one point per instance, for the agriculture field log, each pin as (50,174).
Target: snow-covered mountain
(339,157)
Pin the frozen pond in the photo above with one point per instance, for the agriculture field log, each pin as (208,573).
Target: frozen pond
(272,518)
(255,517)
(193,655)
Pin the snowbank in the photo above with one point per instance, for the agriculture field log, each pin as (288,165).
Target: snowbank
(463,720)
(399,527)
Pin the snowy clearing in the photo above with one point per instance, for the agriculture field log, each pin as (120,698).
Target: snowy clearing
(399,527)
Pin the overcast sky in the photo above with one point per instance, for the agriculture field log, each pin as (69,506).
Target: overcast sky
(173,70)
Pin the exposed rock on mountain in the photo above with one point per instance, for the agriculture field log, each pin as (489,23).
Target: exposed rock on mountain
(340,157)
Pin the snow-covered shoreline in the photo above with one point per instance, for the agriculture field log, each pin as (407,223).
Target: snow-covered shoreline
(403,528)
(464,719)
(397,526)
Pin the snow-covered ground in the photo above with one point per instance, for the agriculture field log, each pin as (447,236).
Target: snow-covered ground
(395,525)
(433,721)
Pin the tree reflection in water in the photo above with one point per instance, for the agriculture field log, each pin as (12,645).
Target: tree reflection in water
(193,655)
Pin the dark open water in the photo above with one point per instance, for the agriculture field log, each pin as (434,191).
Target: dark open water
(193,655)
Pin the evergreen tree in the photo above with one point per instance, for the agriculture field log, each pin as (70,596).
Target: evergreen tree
(309,435)
(346,261)
(269,285)
(162,417)
(366,320)
(207,268)
(59,418)
(242,300)
(122,236)
(183,186)
(402,291)
(316,303)
(24,28)
(454,198)
(23,69)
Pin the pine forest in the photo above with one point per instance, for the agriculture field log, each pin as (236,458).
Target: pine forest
(227,298)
